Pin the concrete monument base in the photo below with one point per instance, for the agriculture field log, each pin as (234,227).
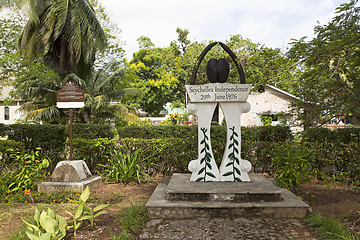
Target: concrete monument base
(70,176)
(179,198)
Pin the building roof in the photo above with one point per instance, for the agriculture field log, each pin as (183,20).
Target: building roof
(281,93)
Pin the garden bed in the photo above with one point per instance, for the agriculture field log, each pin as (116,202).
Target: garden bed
(335,200)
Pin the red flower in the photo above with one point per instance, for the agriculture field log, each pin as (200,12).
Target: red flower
(301,143)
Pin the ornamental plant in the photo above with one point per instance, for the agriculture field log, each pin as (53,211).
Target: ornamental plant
(124,167)
(47,225)
(292,162)
(85,212)
(26,168)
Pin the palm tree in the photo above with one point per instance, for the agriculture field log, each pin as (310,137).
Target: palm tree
(65,32)
(100,90)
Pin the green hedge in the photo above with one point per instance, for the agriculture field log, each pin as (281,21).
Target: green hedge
(93,151)
(3,129)
(340,135)
(263,133)
(91,131)
(50,138)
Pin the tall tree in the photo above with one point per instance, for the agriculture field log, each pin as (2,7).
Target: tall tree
(66,33)
(329,63)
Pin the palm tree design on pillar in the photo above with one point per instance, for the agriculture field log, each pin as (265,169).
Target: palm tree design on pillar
(232,156)
(206,159)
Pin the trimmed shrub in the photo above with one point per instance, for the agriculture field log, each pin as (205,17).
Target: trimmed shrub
(50,138)
(318,135)
(91,131)
(3,129)
(150,132)
(263,133)
(93,151)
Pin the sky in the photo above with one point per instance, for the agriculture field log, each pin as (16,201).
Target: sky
(269,22)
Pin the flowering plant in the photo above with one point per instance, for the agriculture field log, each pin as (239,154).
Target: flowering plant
(26,169)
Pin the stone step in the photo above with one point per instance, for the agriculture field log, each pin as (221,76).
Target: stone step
(257,190)
(162,207)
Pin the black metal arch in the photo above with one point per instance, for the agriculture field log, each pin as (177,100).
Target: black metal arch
(228,50)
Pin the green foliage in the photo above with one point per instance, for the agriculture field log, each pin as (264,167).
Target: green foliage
(48,225)
(266,120)
(169,148)
(124,167)
(340,135)
(3,130)
(68,44)
(158,85)
(332,58)
(91,131)
(263,133)
(86,211)
(292,162)
(6,147)
(329,228)
(135,218)
(151,132)
(93,151)
(76,218)
(25,170)
(50,138)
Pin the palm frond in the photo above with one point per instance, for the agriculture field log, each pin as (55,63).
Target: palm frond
(96,29)
(129,92)
(108,82)
(44,114)
(79,81)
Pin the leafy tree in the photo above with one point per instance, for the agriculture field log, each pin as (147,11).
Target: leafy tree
(150,64)
(146,73)
(330,83)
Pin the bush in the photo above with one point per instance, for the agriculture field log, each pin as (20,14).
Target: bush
(93,151)
(6,146)
(263,133)
(340,135)
(293,163)
(91,131)
(150,132)
(3,130)
(51,139)
(318,135)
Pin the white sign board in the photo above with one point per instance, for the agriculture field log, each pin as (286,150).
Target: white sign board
(218,92)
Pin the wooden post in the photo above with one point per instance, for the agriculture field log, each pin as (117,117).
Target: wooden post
(71,146)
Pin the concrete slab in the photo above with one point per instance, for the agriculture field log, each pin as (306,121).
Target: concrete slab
(79,186)
(70,176)
(159,206)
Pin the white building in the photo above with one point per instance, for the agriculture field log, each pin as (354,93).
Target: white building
(9,113)
(271,102)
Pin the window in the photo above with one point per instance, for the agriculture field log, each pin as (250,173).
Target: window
(6,113)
